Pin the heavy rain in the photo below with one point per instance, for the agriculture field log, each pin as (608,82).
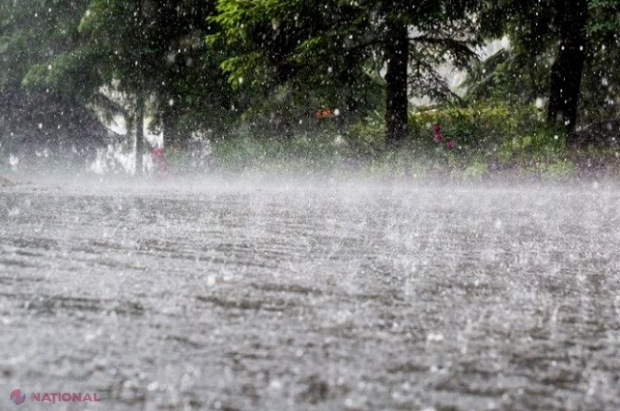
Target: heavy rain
(334,205)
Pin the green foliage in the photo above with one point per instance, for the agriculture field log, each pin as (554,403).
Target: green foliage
(514,143)
(305,55)
(42,98)
(366,136)
(487,139)
(522,73)
(67,72)
(153,48)
(32,30)
(479,127)
(532,27)
(334,51)
(607,17)
(507,77)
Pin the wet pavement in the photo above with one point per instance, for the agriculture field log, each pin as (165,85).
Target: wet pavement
(323,296)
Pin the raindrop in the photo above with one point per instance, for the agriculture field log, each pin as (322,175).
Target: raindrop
(434,337)
(275,385)
(13,161)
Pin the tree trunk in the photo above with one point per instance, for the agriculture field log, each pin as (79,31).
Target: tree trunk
(171,136)
(397,53)
(139,134)
(567,70)
(167,128)
(165,131)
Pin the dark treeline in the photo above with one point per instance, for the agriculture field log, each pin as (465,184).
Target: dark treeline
(207,66)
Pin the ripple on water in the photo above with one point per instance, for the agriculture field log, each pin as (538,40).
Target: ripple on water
(392,298)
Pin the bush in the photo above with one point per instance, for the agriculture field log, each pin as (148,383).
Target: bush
(366,137)
(477,127)
(475,142)
(496,135)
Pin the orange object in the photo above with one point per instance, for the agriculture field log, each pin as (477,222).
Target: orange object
(326,113)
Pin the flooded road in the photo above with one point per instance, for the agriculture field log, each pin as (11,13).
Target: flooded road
(331,296)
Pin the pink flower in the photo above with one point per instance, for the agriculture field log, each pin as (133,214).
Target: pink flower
(437,129)
(450,144)
(438,137)
(157,154)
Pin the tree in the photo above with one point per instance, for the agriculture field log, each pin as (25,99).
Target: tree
(120,40)
(567,69)
(67,53)
(37,116)
(552,54)
(601,92)
(193,93)
(156,49)
(335,45)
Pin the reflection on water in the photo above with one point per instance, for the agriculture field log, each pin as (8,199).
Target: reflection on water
(318,297)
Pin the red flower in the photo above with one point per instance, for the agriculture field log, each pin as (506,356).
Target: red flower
(437,129)
(438,137)
(450,144)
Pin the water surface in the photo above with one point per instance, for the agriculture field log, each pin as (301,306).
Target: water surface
(297,296)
